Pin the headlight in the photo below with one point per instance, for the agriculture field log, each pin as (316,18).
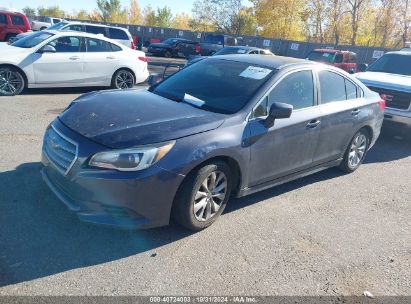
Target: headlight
(132,159)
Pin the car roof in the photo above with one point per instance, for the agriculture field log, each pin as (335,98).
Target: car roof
(79,34)
(94,24)
(274,62)
(245,47)
(406,52)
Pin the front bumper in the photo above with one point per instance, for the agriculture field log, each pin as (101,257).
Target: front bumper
(398,117)
(131,200)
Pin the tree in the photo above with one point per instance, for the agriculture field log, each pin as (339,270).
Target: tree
(134,13)
(29,11)
(164,17)
(149,16)
(111,11)
(223,15)
(182,21)
(81,15)
(52,11)
(355,8)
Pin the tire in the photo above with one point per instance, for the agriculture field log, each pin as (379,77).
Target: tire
(12,81)
(43,28)
(123,79)
(356,151)
(167,54)
(193,195)
(8,36)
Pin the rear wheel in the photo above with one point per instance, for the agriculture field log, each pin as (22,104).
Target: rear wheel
(123,79)
(11,81)
(355,153)
(8,37)
(203,196)
(167,54)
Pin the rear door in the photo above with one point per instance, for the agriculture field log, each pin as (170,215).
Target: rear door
(340,105)
(289,145)
(100,62)
(65,66)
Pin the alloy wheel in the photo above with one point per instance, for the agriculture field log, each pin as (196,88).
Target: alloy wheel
(357,150)
(11,82)
(124,80)
(210,196)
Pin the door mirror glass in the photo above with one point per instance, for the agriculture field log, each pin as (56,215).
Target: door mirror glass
(278,110)
(48,49)
(362,67)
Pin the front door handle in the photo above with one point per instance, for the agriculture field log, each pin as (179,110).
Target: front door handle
(313,124)
(355,112)
(74,58)
(111,57)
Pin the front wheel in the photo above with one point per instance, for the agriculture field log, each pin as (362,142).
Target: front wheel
(11,82)
(355,153)
(203,196)
(123,79)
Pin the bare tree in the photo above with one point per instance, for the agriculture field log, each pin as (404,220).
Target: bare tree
(354,8)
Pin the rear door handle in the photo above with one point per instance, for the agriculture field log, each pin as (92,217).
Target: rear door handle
(74,58)
(111,57)
(355,112)
(313,124)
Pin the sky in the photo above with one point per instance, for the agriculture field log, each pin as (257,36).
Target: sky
(177,6)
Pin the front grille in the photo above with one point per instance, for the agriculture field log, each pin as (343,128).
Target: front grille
(60,150)
(394,99)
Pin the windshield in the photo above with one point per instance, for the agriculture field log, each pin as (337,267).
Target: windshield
(170,41)
(392,63)
(321,56)
(32,40)
(216,85)
(231,50)
(57,26)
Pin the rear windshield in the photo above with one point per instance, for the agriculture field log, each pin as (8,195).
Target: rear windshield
(226,86)
(57,26)
(321,56)
(392,63)
(118,34)
(32,40)
(214,39)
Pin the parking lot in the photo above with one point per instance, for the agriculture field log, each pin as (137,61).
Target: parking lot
(326,234)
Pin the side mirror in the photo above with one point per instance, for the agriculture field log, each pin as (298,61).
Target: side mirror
(47,49)
(278,110)
(351,71)
(154,79)
(362,67)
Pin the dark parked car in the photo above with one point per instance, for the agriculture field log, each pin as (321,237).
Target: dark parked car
(184,147)
(231,50)
(344,60)
(174,47)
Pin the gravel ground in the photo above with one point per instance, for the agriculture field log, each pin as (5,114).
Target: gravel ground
(326,234)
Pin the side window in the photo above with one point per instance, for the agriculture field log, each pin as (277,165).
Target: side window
(56,21)
(97,45)
(17,20)
(332,87)
(47,19)
(296,89)
(253,52)
(262,109)
(115,48)
(3,19)
(351,90)
(119,34)
(353,58)
(74,27)
(66,44)
(96,29)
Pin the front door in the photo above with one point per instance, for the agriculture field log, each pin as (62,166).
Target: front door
(289,145)
(63,67)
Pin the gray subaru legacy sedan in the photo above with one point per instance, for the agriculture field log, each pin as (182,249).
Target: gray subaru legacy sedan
(225,126)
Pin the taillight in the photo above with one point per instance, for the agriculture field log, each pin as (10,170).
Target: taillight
(381,102)
(133,46)
(198,49)
(145,59)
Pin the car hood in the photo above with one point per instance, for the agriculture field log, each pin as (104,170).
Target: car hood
(386,81)
(122,119)
(8,52)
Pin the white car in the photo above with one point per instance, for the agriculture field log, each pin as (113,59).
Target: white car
(44,22)
(69,59)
